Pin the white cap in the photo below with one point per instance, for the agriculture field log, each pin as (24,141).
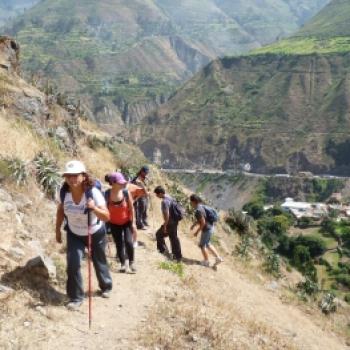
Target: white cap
(74,167)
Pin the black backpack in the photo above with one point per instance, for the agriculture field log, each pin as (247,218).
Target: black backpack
(210,214)
(176,211)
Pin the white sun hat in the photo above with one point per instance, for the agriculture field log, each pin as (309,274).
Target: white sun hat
(74,167)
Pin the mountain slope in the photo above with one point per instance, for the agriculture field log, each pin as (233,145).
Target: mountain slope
(10,9)
(153,309)
(126,58)
(327,32)
(277,112)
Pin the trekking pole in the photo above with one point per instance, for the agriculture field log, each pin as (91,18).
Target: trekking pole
(89,268)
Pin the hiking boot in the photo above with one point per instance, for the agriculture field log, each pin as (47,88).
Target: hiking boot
(74,305)
(106,293)
(218,261)
(205,263)
(122,268)
(132,268)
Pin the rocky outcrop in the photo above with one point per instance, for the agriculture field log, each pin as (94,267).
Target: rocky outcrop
(192,58)
(269,113)
(9,54)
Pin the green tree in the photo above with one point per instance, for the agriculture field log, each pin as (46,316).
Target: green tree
(328,226)
(254,209)
(315,244)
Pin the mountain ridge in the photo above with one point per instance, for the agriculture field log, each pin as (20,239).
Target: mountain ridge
(235,103)
(122,58)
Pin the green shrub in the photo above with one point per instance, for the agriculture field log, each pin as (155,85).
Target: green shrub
(272,229)
(301,256)
(343,279)
(316,245)
(272,264)
(239,222)
(47,173)
(304,222)
(254,209)
(308,287)
(347,298)
(242,249)
(327,303)
(328,226)
(18,170)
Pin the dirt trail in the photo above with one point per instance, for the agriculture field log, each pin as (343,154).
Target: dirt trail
(118,320)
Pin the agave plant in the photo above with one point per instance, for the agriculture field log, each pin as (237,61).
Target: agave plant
(272,264)
(18,170)
(327,304)
(47,173)
(242,249)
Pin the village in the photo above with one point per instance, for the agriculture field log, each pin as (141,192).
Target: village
(315,212)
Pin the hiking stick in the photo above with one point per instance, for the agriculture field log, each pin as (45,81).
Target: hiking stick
(89,268)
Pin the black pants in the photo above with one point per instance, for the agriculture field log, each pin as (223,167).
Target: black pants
(75,251)
(174,240)
(141,206)
(122,235)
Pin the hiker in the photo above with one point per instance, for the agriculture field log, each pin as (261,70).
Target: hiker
(78,195)
(205,218)
(121,209)
(141,205)
(169,226)
(136,193)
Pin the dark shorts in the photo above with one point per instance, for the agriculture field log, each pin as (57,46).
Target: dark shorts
(206,235)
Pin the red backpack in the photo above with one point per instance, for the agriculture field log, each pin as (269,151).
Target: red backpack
(119,213)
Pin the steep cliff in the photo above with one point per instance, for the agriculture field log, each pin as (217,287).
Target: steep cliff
(276,112)
(135,53)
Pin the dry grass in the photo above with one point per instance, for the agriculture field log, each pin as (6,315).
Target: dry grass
(92,129)
(99,162)
(19,140)
(191,320)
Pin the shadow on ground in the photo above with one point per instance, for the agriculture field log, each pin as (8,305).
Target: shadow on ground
(35,282)
(188,261)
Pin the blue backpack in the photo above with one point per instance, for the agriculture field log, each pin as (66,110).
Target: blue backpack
(211,214)
(177,212)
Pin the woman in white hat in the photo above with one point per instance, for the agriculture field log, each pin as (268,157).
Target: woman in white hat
(78,195)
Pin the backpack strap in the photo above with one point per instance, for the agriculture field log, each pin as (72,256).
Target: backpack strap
(107,196)
(126,193)
(89,194)
(63,192)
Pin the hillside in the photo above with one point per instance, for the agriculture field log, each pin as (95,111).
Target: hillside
(10,9)
(278,112)
(327,32)
(164,305)
(125,58)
